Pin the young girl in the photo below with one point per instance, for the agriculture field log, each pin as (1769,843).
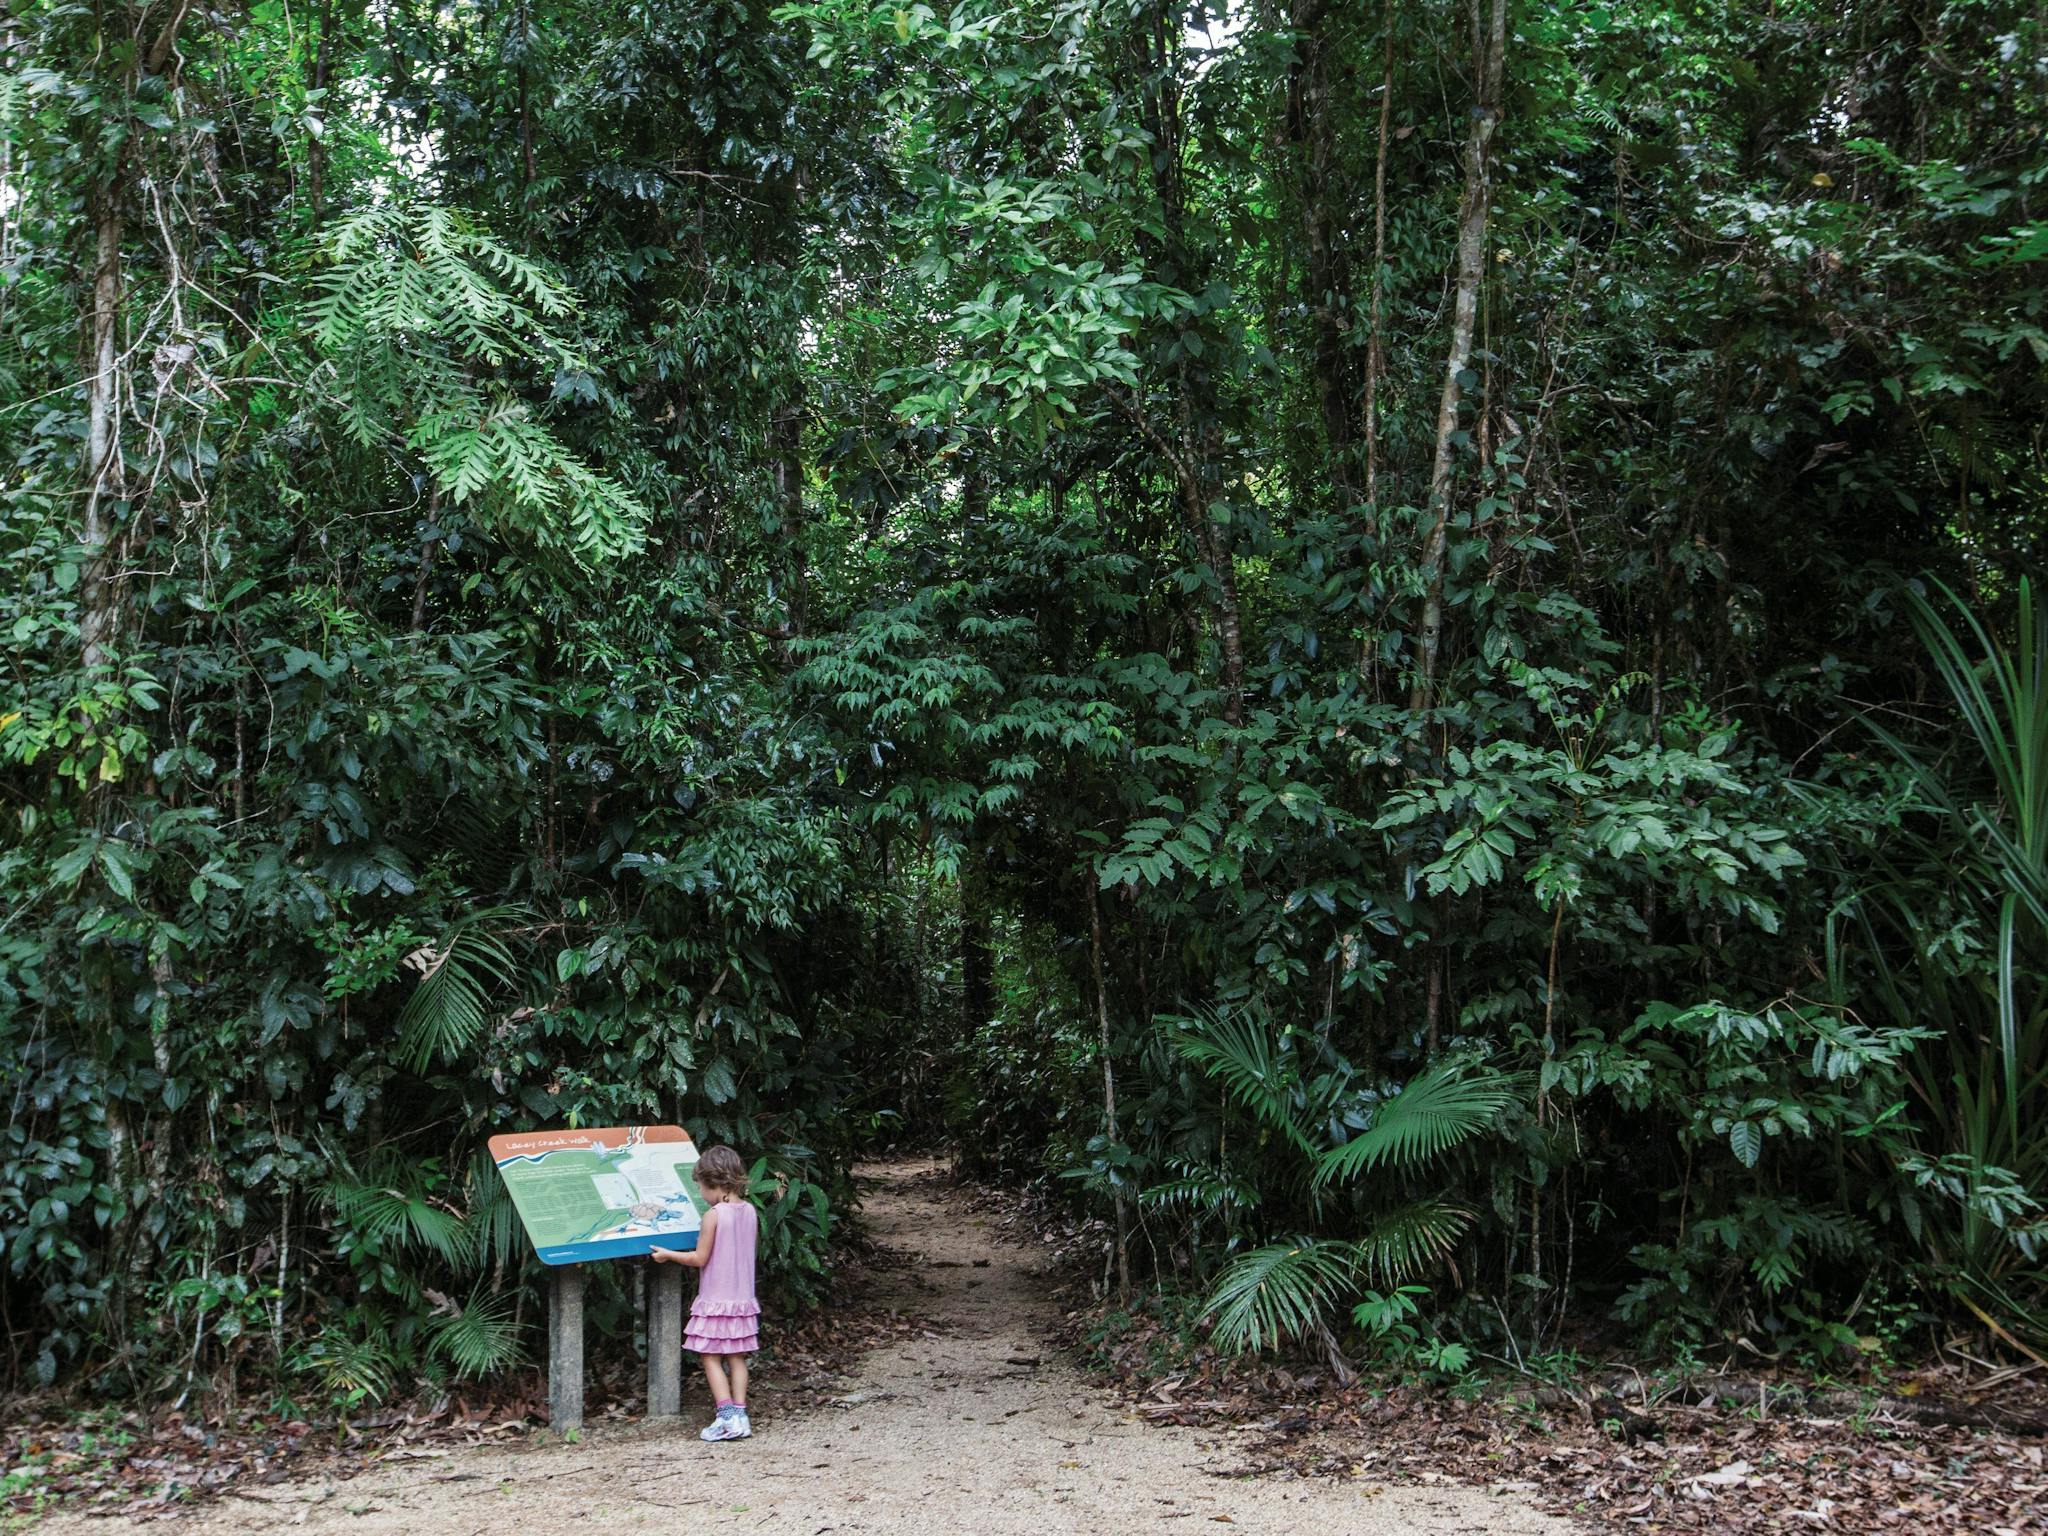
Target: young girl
(724,1319)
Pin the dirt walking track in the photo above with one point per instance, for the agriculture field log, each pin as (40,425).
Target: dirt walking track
(940,1433)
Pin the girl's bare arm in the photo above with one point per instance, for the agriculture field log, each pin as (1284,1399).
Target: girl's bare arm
(696,1257)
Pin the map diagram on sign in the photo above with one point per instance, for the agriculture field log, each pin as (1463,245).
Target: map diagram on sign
(613,1193)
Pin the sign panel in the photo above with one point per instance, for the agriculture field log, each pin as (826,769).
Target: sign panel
(611,1193)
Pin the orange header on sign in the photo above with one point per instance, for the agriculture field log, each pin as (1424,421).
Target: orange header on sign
(599,1138)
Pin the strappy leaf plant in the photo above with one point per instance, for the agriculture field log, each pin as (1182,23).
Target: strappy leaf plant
(1955,935)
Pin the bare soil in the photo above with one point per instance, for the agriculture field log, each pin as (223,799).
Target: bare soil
(969,1422)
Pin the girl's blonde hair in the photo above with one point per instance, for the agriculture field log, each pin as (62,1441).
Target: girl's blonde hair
(720,1168)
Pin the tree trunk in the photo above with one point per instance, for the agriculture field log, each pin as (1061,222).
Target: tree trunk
(1489,44)
(977,961)
(316,151)
(1229,627)
(526,163)
(156,1166)
(1374,355)
(1308,125)
(1213,549)
(787,470)
(105,469)
(428,541)
(1173,263)
(1109,1128)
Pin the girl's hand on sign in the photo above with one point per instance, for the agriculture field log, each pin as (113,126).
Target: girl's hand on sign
(667,1256)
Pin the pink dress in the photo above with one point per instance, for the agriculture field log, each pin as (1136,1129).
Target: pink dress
(725,1317)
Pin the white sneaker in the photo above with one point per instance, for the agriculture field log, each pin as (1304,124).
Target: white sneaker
(727,1426)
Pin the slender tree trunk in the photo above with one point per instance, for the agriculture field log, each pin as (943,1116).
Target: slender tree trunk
(316,151)
(1229,626)
(1109,1127)
(105,469)
(1489,43)
(526,162)
(428,542)
(1158,56)
(1374,355)
(1309,126)
(1439,961)
(241,789)
(11,196)
(977,961)
(787,470)
(1213,549)
(156,1165)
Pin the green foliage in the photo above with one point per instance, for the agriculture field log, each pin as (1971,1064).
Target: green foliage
(385,762)
(844,574)
(1955,945)
(1390,1324)
(419,315)
(1418,1238)
(796,1225)
(445,1016)
(1279,1292)
(1239,1050)
(1443,1106)
(478,1337)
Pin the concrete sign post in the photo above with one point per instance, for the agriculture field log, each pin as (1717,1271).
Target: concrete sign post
(665,1341)
(565,1349)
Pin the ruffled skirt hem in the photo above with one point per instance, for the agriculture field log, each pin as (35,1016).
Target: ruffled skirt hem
(718,1306)
(745,1344)
(719,1327)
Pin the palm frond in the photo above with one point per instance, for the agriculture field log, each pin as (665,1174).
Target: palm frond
(401,1218)
(1239,1049)
(353,1370)
(1448,1102)
(477,1338)
(447,1010)
(1279,1292)
(496,1236)
(1202,1188)
(1407,1243)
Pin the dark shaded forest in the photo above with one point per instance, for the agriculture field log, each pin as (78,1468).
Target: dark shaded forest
(1391,642)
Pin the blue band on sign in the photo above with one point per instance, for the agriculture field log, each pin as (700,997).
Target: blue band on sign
(617,1248)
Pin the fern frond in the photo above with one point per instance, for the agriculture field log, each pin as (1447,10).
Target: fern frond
(1280,1292)
(430,326)
(1446,1104)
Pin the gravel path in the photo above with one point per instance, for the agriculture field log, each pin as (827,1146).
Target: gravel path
(950,1431)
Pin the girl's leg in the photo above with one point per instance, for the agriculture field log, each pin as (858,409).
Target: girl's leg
(715,1379)
(736,1367)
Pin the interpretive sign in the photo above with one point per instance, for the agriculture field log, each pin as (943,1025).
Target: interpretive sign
(611,1193)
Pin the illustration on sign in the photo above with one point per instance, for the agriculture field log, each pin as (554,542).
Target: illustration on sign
(612,1193)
